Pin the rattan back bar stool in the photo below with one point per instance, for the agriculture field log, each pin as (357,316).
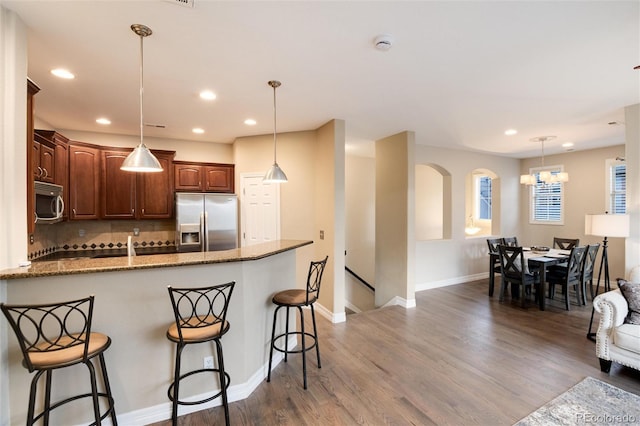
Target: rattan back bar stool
(200,316)
(54,336)
(297,298)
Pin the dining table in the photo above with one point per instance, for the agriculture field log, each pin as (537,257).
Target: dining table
(536,261)
(541,261)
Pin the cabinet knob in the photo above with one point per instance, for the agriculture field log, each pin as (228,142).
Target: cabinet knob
(74,212)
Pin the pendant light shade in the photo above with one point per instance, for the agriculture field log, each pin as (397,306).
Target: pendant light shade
(141,159)
(275,173)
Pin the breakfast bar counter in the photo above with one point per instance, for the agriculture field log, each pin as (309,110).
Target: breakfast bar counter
(132,306)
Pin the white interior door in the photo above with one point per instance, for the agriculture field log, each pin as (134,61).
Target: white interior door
(260,209)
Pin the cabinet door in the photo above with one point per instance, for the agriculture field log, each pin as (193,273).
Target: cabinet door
(117,187)
(219,178)
(47,163)
(155,191)
(84,165)
(188,177)
(35,160)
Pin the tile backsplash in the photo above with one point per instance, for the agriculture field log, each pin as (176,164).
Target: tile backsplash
(103,234)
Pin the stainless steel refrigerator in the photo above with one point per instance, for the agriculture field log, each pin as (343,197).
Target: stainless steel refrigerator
(206,222)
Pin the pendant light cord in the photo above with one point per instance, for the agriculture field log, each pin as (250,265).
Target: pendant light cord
(141,89)
(274,85)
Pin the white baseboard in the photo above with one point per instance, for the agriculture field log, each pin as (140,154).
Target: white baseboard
(399,301)
(335,318)
(352,307)
(236,392)
(450,281)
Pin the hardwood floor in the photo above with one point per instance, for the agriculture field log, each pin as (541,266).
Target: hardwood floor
(460,357)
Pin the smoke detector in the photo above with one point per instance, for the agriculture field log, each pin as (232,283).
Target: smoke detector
(383,42)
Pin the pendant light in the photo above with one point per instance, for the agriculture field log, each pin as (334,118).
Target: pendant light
(275,173)
(141,159)
(545,175)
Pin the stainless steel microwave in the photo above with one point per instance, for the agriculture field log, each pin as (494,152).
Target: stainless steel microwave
(49,205)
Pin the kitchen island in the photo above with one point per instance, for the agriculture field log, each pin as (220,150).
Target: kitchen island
(132,306)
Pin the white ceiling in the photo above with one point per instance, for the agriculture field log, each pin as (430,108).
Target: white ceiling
(459,73)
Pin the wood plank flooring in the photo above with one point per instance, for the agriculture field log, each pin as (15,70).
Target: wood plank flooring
(460,357)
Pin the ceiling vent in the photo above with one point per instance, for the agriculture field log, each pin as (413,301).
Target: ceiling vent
(185,3)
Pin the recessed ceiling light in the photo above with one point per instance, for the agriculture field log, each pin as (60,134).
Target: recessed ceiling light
(207,95)
(567,144)
(62,73)
(103,120)
(250,122)
(511,132)
(197,130)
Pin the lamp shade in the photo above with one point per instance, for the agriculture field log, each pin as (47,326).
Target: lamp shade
(141,160)
(607,225)
(275,175)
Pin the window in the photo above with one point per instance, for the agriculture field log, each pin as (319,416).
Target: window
(483,197)
(547,200)
(617,186)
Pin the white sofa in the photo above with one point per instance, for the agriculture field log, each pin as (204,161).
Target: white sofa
(616,341)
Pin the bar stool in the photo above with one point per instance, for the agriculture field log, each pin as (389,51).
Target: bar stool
(200,316)
(57,335)
(297,298)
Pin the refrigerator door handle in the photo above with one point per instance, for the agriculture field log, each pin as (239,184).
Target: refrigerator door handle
(203,235)
(206,232)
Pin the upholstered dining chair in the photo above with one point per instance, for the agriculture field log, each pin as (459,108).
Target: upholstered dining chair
(514,271)
(494,261)
(572,277)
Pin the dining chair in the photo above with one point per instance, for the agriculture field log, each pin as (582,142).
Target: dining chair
(494,261)
(587,271)
(572,277)
(514,271)
(565,243)
(510,241)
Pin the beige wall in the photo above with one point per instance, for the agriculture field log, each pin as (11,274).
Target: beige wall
(632,155)
(460,258)
(585,193)
(312,199)
(207,152)
(395,220)
(13,163)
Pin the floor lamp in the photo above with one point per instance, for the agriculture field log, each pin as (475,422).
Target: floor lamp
(607,226)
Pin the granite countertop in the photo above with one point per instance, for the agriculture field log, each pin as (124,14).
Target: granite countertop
(85,265)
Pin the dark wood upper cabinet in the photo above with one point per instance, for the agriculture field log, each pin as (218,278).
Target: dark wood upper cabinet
(117,187)
(155,190)
(203,177)
(84,181)
(130,195)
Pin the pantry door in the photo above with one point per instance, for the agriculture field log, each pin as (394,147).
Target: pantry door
(259,209)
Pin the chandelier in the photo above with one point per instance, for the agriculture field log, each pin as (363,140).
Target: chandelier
(545,175)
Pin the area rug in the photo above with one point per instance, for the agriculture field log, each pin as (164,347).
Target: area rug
(590,402)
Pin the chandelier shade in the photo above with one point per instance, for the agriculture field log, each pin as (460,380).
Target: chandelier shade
(141,159)
(546,176)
